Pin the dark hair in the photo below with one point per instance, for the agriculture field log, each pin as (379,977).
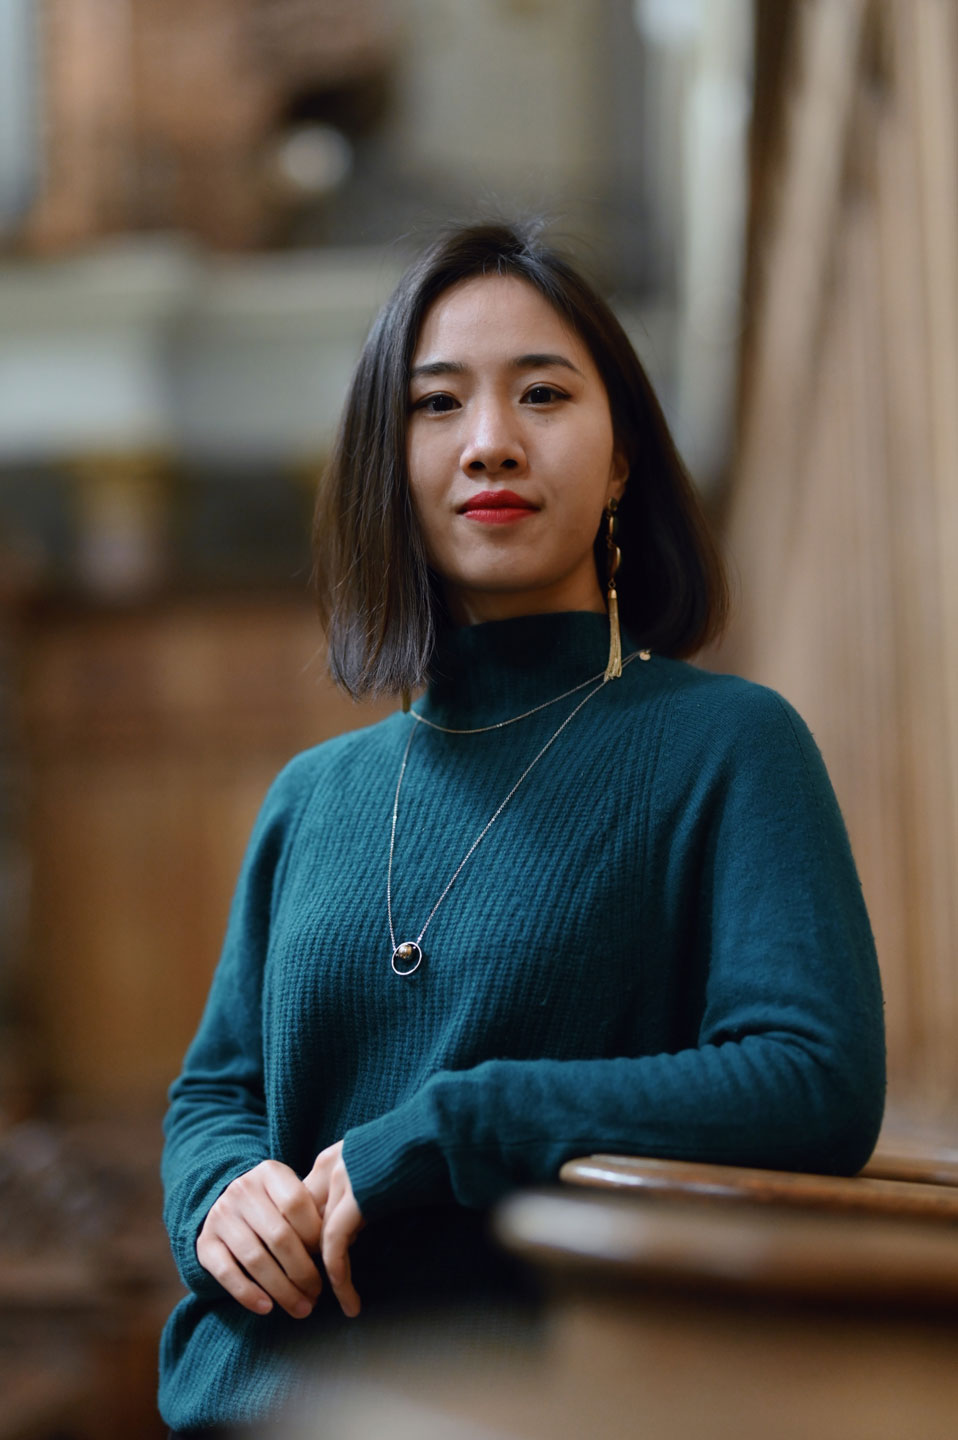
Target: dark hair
(379,602)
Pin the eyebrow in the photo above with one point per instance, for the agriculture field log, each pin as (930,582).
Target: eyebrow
(539,360)
(536,360)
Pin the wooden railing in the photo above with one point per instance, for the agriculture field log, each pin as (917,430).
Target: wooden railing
(873,1193)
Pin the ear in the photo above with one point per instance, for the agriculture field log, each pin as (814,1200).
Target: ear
(618,474)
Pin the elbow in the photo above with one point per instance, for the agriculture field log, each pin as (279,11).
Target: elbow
(838,1130)
(847,1142)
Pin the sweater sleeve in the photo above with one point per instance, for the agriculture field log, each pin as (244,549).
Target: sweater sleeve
(787,1065)
(216,1125)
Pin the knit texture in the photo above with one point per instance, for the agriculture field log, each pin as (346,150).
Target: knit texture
(659,948)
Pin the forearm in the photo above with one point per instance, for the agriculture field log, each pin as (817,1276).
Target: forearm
(767,1100)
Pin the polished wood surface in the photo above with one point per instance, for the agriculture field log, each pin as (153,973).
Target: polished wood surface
(834,1193)
(929,1164)
(697,1242)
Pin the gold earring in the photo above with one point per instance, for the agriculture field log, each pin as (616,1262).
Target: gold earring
(614,668)
(406,699)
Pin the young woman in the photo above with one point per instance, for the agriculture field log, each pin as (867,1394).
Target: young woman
(582,896)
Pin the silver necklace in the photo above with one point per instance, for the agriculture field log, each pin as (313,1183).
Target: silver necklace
(501,724)
(407,951)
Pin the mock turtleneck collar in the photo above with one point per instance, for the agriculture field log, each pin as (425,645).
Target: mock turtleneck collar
(488,672)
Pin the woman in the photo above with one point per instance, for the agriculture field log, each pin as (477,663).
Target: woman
(583,897)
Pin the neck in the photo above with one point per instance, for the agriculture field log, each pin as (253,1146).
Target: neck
(490,671)
(477,607)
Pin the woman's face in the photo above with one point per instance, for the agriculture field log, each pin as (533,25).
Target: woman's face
(510,453)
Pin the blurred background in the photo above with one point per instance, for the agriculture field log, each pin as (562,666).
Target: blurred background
(201,207)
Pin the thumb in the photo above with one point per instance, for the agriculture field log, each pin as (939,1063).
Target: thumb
(318,1179)
(317,1184)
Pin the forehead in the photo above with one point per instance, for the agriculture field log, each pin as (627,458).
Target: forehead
(491,317)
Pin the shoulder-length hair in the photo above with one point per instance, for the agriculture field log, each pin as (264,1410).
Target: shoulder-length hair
(378,600)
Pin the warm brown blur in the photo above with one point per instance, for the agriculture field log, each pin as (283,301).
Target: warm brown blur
(201,207)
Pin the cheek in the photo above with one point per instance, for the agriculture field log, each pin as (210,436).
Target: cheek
(424,500)
(596,470)
(422,467)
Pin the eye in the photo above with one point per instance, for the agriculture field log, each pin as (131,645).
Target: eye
(437,404)
(543,395)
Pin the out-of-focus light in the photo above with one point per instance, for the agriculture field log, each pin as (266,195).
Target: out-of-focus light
(668,22)
(314,159)
(19,110)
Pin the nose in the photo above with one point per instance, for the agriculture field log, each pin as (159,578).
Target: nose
(492,442)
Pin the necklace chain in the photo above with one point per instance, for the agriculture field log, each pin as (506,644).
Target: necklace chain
(413,948)
(501,724)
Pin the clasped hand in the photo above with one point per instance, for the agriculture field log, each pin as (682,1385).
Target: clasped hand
(261,1235)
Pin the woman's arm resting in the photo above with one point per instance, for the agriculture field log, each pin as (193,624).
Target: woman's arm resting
(766,1100)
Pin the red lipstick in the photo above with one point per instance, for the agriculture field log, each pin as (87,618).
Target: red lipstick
(498,507)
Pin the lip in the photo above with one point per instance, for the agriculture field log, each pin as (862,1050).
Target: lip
(498,507)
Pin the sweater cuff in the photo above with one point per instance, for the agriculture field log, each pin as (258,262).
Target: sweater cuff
(394,1161)
(185,1233)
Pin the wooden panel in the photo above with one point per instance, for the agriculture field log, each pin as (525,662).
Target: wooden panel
(650,1362)
(936,114)
(916,633)
(154,736)
(793,263)
(842,515)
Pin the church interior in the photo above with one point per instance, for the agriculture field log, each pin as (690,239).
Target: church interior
(201,208)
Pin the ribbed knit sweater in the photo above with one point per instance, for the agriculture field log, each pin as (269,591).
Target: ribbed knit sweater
(660,947)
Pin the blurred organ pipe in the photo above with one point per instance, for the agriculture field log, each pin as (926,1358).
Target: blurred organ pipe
(707,48)
(19,110)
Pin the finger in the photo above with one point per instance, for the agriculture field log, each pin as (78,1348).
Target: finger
(249,1251)
(296,1204)
(283,1244)
(254,1205)
(318,1179)
(282,1189)
(316,1184)
(216,1258)
(339,1232)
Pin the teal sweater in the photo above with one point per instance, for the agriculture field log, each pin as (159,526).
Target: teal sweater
(659,948)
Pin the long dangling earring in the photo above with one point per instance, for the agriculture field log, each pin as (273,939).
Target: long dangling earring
(614,668)
(406,699)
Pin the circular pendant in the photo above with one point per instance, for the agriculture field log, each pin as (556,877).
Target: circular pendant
(409,955)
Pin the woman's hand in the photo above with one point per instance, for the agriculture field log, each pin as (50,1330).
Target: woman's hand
(329,1185)
(257,1237)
